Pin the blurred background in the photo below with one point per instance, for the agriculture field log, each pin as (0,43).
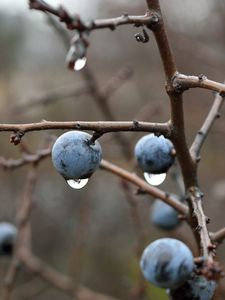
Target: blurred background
(91,234)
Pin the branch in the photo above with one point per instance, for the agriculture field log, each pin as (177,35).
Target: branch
(162,40)
(75,23)
(183,82)
(144,186)
(174,90)
(218,236)
(207,125)
(100,126)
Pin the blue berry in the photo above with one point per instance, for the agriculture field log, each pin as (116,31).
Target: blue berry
(74,157)
(167,263)
(154,154)
(196,288)
(8,234)
(163,215)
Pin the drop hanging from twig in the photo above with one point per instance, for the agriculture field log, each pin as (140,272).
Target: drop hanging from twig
(77,184)
(154,179)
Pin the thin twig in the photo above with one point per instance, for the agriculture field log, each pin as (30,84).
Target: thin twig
(69,92)
(218,236)
(207,125)
(100,126)
(74,22)
(12,164)
(23,235)
(183,82)
(144,186)
(53,96)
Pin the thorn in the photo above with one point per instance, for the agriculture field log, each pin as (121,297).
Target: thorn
(78,126)
(198,159)
(218,115)
(211,247)
(125,14)
(202,77)
(136,124)
(222,94)
(207,219)
(140,192)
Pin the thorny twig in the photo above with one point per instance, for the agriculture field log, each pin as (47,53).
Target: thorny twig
(100,127)
(74,21)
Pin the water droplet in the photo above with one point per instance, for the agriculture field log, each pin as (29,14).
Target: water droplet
(155,179)
(80,63)
(77,183)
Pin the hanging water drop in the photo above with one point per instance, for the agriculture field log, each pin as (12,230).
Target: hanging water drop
(80,63)
(154,179)
(77,183)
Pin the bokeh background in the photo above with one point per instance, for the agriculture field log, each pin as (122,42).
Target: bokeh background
(90,234)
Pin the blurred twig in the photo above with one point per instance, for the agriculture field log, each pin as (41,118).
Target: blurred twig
(138,290)
(59,280)
(12,164)
(70,92)
(80,236)
(51,97)
(23,235)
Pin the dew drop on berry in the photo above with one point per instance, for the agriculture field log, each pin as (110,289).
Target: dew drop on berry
(154,179)
(80,63)
(77,183)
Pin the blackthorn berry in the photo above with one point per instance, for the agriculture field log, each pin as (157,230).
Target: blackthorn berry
(8,234)
(167,263)
(163,215)
(154,154)
(195,288)
(74,156)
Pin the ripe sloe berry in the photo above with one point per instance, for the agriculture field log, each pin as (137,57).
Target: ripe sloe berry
(167,263)
(195,288)
(74,157)
(154,154)
(163,215)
